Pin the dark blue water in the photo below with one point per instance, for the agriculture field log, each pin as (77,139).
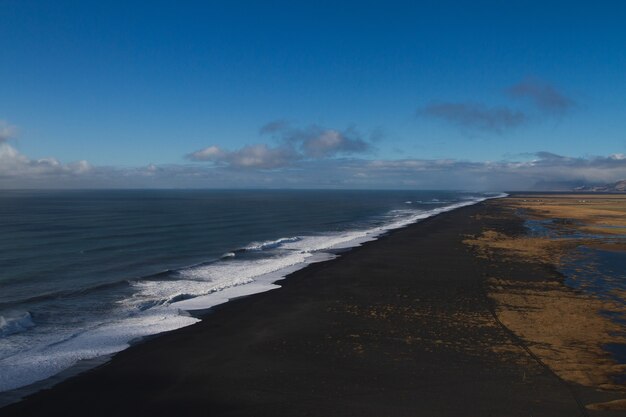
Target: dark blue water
(598,272)
(82,273)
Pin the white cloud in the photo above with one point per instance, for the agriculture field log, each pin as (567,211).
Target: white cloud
(251,156)
(15,165)
(212,153)
(294,145)
(18,167)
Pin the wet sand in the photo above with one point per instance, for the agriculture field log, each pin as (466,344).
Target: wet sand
(402,326)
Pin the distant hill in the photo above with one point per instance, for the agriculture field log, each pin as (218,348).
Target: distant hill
(616,187)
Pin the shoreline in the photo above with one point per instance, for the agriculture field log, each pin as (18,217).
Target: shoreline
(376,312)
(198,306)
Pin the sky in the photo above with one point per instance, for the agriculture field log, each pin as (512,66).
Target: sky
(485,95)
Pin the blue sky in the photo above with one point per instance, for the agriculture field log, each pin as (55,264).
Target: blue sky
(134,90)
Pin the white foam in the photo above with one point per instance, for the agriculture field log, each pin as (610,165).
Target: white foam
(270,244)
(44,361)
(262,282)
(207,279)
(15,322)
(204,302)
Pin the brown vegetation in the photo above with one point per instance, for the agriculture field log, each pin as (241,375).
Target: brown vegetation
(564,328)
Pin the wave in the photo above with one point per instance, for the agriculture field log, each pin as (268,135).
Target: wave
(15,322)
(79,292)
(433,201)
(271,244)
(204,280)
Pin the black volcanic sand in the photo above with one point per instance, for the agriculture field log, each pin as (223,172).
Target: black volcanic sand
(398,327)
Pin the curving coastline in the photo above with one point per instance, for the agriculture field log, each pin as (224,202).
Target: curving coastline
(398,326)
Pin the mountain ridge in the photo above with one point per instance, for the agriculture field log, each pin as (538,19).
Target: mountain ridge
(616,187)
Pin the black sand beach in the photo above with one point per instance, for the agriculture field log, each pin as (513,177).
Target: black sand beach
(401,326)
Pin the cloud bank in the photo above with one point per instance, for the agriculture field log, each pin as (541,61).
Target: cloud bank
(543,171)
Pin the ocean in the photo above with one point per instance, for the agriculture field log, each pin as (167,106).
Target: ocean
(83,274)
